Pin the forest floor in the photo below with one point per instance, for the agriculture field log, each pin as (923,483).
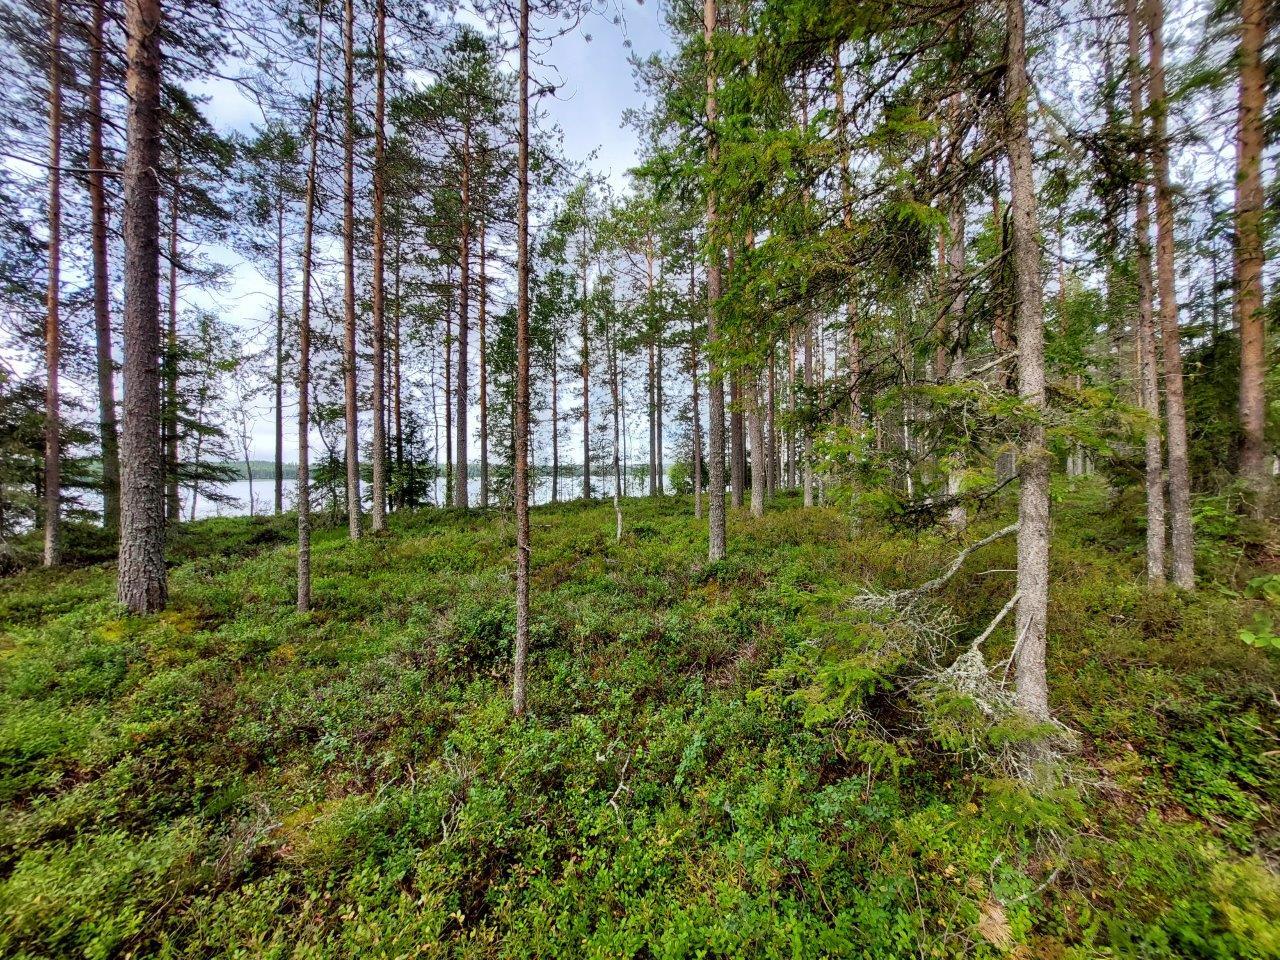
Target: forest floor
(733,761)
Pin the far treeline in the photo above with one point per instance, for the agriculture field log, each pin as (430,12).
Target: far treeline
(911,259)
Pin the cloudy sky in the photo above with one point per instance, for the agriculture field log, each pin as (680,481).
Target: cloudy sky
(595,85)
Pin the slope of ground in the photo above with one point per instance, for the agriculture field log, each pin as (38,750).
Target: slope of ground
(734,761)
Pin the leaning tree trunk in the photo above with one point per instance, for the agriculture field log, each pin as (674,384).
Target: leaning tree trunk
(715,504)
(1033,496)
(349,274)
(518,694)
(378,495)
(304,335)
(52,334)
(1249,249)
(101,283)
(1148,361)
(143,585)
(1184,574)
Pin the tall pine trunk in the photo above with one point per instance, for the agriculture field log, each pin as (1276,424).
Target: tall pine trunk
(378,451)
(352,417)
(101,282)
(304,333)
(1181,541)
(584,332)
(1148,361)
(755,426)
(173,507)
(143,584)
(555,424)
(696,402)
(1032,687)
(615,393)
(481,310)
(397,406)
(808,431)
(52,332)
(715,505)
(464,323)
(518,692)
(279,377)
(1249,248)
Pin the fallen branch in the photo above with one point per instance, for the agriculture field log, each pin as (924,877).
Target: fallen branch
(958,562)
(991,627)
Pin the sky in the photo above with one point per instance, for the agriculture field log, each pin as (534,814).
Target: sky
(595,85)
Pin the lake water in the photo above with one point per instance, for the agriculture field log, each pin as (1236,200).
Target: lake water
(264,495)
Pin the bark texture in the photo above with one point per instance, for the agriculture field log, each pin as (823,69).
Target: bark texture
(101,281)
(52,331)
(715,506)
(349,274)
(520,666)
(1148,360)
(378,495)
(1181,542)
(1033,496)
(304,333)
(1249,248)
(143,583)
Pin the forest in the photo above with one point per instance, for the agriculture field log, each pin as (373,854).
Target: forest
(847,525)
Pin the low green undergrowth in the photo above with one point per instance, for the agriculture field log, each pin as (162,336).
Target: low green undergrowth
(720,761)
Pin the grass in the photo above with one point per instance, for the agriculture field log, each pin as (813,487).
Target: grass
(727,761)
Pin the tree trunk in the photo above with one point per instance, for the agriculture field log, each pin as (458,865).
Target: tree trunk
(1032,688)
(1184,574)
(1148,361)
(791,409)
(397,407)
(484,375)
(101,283)
(808,431)
(585,334)
(518,694)
(615,393)
(304,334)
(464,322)
(954,368)
(173,508)
(662,485)
(772,469)
(555,425)
(378,449)
(448,403)
(755,417)
(651,388)
(715,509)
(1249,250)
(143,585)
(697,406)
(737,440)
(279,377)
(52,333)
(349,273)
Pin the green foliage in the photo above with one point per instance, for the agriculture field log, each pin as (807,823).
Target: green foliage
(718,762)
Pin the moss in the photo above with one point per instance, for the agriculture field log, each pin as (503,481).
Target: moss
(720,761)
